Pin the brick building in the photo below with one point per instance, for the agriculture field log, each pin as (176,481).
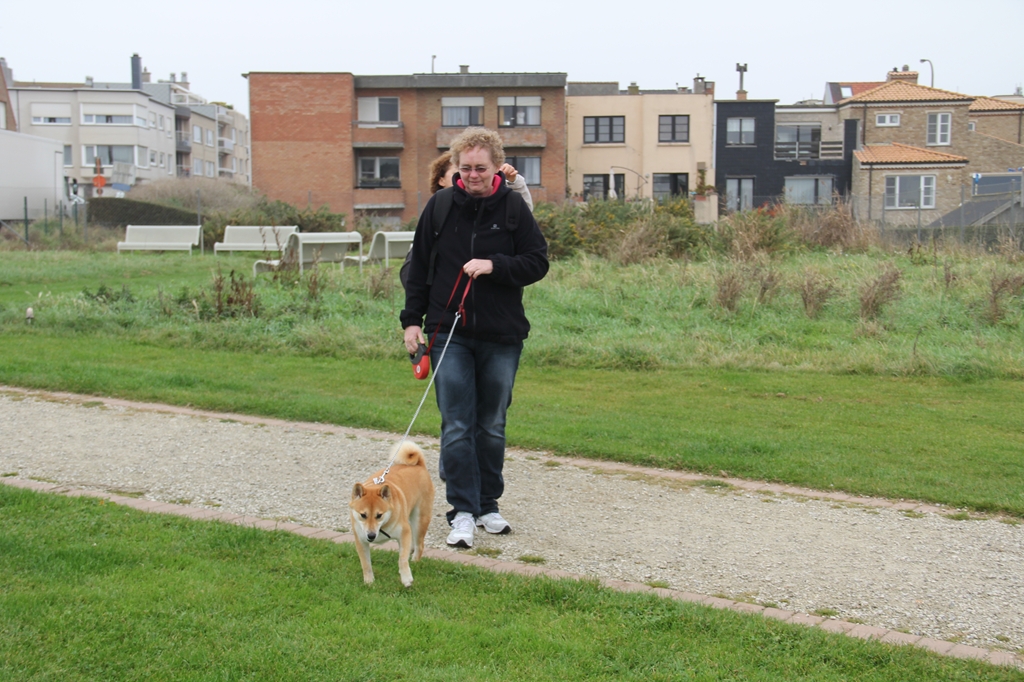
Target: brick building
(362,144)
(920,148)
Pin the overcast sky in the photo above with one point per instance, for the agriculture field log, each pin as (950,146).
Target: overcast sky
(791,47)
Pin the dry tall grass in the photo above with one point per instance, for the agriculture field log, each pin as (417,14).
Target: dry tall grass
(880,291)
(187,193)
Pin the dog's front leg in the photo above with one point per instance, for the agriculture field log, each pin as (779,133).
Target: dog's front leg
(363,549)
(404,550)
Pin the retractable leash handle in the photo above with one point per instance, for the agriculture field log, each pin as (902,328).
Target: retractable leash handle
(421,358)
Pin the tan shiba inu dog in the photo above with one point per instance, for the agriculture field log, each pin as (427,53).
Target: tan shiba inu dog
(398,509)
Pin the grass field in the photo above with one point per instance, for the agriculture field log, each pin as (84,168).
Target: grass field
(96,591)
(898,405)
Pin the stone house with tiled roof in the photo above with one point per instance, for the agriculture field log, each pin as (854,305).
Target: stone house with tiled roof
(918,147)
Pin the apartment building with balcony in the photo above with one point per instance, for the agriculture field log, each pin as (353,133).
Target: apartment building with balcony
(363,144)
(639,144)
(129,132)
(211,138)
(765,153)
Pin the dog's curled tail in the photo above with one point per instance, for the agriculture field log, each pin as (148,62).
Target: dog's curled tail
(410,453)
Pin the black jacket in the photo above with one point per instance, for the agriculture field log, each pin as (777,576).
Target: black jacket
(475,228)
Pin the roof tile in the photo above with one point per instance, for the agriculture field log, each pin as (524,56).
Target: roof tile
(901,91)
(993,104)
(904,153)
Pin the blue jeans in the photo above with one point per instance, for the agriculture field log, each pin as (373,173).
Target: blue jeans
(474,389)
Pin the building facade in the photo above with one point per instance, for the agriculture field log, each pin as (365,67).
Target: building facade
(767,153)
(922,150)
(362,145)
(639,144)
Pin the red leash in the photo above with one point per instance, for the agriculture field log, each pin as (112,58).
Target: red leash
(421,360)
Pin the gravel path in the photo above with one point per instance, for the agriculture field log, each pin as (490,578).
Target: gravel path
(922,573)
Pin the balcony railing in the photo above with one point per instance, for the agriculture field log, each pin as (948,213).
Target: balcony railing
(798,151)
(184,172)
(225,145)
(182,141)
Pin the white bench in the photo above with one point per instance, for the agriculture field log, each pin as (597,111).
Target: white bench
(307,248)
(384,247)
(160,238)
(254,238)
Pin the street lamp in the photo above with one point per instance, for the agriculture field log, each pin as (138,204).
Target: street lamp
(638,176)
(931,69)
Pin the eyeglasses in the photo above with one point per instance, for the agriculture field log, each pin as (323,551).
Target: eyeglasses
(466,170)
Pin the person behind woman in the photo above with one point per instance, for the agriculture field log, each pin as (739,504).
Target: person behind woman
(442,169)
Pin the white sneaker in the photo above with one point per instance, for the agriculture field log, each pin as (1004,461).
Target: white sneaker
(493,523)
(462,531)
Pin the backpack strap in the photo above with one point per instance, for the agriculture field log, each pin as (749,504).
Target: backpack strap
(514,203)
(443,201)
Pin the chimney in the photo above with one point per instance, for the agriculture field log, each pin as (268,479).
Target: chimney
(741,95)
(145,75)
(174,77)
(88,81)
(698,84)
(709,88)
(463,68)
(136,72)
(905,75)
(633,88)
(184,79)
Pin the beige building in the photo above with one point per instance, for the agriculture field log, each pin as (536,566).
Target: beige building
(105,122)
(650,144)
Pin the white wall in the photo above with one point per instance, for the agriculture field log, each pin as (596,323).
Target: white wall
(27,170)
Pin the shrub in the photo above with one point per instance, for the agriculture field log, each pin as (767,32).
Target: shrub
(111,212)
(746,234)
(815,291)
(877,293)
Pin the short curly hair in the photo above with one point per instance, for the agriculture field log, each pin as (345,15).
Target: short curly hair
(438,169)
(478,137)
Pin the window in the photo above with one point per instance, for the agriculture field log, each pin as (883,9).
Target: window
(209,138)
(668,185)
(528,167)
(673,129)
(739,194)
(197,135)
(197,168)
(211,170)
(518,111)
(938,128)
(163,159)
(809,190)
(142,160)
(106,119)
(798,141)
(152,157)
(160,125)
(845,91)
(739,131)
(910,191)
(152,119)
(379,171)
(597,129)
(378,109)
(596,186)
(972,126)
(884,120)
(109,154)
(68,157)
(459,112)
(51,120)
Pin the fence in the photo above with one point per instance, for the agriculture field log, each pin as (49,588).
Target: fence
(985,216)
